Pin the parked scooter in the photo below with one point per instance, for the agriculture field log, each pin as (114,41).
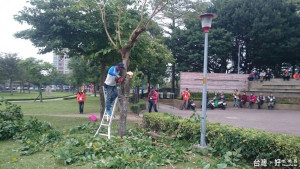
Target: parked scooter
(212,104)
(222,105)
(191,105)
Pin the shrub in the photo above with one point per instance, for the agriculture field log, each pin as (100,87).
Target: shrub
(142,105)
(198,96)
(252,144)
(136,108)
(37,136)
(11,119)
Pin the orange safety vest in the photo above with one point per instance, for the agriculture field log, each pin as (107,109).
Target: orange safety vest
(186,95)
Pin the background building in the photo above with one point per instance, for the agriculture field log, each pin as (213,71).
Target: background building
(61,63)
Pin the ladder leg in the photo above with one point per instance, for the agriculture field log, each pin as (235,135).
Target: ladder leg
(108,118)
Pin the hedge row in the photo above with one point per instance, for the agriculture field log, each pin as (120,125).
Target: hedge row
(198,96)
(254,144)
(136,108)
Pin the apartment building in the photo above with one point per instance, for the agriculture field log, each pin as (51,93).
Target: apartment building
(61,63)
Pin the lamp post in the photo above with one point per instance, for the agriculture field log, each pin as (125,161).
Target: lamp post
(206,20)
(239,57)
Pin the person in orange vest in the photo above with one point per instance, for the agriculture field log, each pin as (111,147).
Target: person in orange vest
(81,98)
(296,76)
(185,97)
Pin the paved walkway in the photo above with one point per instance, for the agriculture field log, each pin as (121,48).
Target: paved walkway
(276,121)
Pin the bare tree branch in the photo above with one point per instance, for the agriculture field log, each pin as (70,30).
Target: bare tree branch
(156,10)
(138,30)
(141,20)
(118,24)
(103,14)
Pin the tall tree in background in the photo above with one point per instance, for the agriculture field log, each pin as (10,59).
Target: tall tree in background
(79,71)
(9,66)
(177,11)
(39,72)
(154,67)
(261,26)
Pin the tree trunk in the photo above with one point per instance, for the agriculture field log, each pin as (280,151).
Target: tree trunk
(148,79)
(40,93)
(10,86)
(95,93)
(138,94)
(124,92)
(29,88)
(173,78)
(20,86)
(101,93)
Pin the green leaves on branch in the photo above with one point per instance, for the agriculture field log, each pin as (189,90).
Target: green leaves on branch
(135,151)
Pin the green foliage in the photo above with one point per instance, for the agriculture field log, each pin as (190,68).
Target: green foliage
(161,121)
(198,96)
(231,142)
(84,128)
(136,108)
(33,134)
(135,151)
(9,67)
(271,47)
(39,72)
(37,136)
(11,119)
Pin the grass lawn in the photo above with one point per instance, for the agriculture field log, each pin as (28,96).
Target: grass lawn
(10,158)
(91,105)
(32,95)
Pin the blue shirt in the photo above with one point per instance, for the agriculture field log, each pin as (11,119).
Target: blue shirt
(112,75)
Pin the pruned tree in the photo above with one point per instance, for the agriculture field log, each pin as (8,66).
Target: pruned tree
(124,46)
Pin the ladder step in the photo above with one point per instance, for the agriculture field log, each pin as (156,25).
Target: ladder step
(106,119)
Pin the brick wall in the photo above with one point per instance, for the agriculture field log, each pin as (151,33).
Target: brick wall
(216,82)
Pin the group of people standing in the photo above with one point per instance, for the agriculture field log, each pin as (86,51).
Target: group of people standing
(240,102)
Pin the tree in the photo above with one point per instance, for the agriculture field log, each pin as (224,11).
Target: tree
(124,45)
(39,72)
(220,47)
(59,79)
(68,27)
(154,67)
(79,71)
(178,12)
(94,72)
(263,27)
(9,66)
(77,27)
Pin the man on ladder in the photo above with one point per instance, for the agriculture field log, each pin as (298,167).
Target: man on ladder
(111,81)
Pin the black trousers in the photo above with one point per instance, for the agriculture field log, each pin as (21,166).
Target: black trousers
(260,103)
(151,103)
(81,105)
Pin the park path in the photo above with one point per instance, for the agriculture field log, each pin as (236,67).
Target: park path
(276,121)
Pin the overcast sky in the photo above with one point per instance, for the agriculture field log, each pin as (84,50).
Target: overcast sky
(10,44)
